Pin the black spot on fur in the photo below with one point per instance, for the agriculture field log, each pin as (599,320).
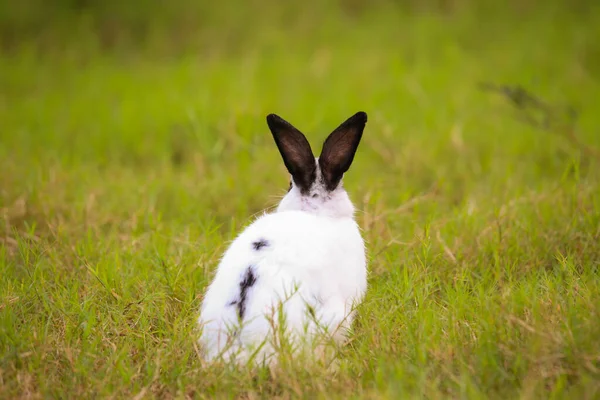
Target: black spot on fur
(259,244)
(246,283)
(232,303)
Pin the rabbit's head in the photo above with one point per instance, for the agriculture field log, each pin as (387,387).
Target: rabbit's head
(316,183)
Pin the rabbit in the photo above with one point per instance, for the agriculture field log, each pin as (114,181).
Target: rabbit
(300,270)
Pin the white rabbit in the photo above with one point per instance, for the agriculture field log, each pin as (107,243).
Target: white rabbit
(305,262)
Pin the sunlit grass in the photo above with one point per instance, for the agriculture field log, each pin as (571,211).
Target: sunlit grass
(124,176)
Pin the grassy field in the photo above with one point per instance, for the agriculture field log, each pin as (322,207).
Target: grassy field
(127,165)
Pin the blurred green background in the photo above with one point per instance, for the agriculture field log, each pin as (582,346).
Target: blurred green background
(134,146)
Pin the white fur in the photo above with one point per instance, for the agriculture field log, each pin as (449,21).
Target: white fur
(315,256)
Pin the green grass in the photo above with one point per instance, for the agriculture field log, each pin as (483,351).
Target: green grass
(124,172)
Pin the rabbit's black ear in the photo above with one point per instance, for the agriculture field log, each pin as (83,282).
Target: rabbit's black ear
(339,149)
(295,151)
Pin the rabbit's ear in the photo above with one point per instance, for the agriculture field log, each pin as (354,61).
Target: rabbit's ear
(339,149)
(295,151)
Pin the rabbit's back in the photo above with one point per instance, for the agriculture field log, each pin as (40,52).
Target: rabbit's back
(306,261)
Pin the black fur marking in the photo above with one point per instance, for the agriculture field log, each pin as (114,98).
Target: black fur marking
(232,303)
(246,283)
(259,244)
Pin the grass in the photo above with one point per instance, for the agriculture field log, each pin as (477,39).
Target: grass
(126,171)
